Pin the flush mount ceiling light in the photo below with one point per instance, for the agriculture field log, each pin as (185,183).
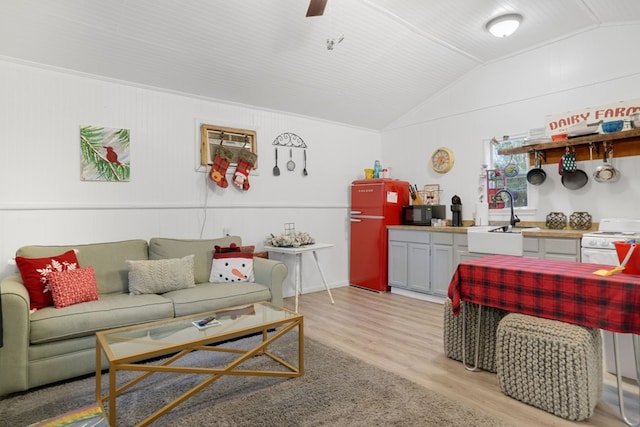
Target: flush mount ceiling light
(505,25)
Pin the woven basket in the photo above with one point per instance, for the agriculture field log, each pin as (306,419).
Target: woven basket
(453,334)
(552,365)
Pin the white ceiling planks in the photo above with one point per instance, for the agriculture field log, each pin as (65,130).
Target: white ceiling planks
(266,53)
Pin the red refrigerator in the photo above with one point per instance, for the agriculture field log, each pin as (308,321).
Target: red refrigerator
(375,204)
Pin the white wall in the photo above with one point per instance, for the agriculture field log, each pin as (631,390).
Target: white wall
(512,96)
(43,200)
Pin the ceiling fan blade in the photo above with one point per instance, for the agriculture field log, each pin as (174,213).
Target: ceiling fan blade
(316,7)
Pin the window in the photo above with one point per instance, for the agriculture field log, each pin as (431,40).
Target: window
(508,172)
(233,139)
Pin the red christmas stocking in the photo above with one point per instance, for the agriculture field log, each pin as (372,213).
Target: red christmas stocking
(246,162)
(220,165)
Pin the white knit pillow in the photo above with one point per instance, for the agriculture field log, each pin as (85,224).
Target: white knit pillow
(160,276)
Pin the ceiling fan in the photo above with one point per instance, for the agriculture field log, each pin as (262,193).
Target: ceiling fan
(316,7)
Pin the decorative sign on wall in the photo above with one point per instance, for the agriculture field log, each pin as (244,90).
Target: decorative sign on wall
(233,139)
(104,154)
(565,122)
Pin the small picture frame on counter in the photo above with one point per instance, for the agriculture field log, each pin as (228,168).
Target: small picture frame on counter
(431,194)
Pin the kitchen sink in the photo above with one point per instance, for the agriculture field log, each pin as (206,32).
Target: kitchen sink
(507,229)
(498,240)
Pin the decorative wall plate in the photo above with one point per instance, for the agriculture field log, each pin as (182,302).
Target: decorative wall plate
(442,160)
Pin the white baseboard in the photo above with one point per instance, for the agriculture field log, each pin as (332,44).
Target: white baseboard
(418,295)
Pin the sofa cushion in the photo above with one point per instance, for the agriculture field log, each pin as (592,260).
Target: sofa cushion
(162,248)
(107,260)
(35,275)
(231,265)
(109,311)
(213,296)
(160,276)
(73,286)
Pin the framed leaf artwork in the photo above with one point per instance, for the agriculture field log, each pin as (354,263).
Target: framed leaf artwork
(104,154)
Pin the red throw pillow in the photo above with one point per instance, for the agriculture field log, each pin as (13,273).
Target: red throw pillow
(73,286)
(35,272)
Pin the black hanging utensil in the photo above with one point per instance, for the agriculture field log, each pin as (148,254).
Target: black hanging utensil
(304,170)
(276,169)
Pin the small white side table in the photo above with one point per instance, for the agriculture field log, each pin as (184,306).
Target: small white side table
(298,253)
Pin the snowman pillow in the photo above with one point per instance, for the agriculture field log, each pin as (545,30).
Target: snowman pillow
(231,265)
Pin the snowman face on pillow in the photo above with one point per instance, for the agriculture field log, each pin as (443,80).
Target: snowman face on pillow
(231,267)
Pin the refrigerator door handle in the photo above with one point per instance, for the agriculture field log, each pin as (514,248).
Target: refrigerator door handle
(355,220)
(356,212)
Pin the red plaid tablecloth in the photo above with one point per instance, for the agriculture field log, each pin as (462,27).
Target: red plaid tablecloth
(560,290)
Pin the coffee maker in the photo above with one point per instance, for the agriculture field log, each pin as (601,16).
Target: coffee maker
(456,209)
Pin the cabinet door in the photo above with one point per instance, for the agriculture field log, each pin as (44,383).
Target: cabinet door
(397,264)
(441,269)
(531,247)
(418,267)
(461,250)
(562,249)
(463,255)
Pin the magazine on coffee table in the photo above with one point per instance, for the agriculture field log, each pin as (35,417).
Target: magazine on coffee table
(232,313)
(206,322)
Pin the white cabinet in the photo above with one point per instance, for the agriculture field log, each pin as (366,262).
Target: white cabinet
(424,261)
(397,259)
(561,249)
(442,268)
(531,247)
(461,250)
(418,267)
(420,261)
(566,249)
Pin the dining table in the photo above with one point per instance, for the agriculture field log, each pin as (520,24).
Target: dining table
(567,291)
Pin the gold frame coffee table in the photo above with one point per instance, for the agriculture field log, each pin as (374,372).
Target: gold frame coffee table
(125,348)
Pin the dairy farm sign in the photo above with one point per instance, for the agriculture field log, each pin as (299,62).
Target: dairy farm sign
(564,122)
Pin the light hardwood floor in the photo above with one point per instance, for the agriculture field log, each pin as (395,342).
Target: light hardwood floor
(404,335)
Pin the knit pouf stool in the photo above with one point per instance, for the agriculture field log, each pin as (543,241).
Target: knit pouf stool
(453,334)
(552,365)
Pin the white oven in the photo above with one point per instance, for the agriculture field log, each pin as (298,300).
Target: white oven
(599,256)
(598,248)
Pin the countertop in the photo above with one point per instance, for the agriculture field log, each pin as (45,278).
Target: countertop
(541,231)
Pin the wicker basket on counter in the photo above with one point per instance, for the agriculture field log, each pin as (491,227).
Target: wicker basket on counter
(580,221)
(556,221)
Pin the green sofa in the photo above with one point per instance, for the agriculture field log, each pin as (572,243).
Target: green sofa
(53,344)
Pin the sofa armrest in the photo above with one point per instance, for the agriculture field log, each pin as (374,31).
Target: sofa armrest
(271,273)
(15,330)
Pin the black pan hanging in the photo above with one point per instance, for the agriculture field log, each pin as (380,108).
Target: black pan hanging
(316,7)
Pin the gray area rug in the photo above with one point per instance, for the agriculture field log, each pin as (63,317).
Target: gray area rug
(336,390)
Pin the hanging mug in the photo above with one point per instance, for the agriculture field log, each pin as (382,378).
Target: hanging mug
(568,163)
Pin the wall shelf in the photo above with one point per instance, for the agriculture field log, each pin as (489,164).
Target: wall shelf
(625,143)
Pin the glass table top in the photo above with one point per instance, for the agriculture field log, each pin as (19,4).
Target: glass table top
(162,336)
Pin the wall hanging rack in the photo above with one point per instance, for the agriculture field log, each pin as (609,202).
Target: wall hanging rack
(288,139)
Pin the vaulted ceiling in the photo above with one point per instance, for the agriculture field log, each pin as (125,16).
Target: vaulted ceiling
(395,54)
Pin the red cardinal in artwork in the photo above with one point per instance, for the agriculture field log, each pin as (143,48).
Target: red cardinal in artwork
(112,156)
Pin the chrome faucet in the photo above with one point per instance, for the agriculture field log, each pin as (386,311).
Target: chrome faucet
(514,218)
